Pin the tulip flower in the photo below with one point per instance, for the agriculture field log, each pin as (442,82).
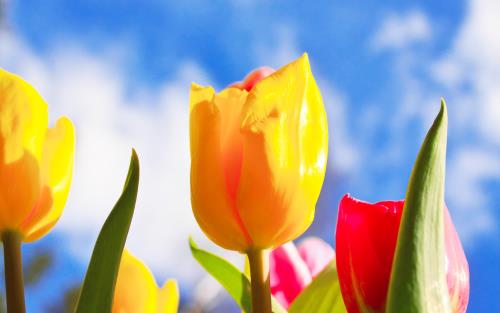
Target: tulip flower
(365,244)
(258,157)
(36,162)
(293,268)
(136,290)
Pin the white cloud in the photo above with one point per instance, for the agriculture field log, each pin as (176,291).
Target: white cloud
(281,50)
(472,211)
(111,119)
(401,30)
(472,64)
(344,156)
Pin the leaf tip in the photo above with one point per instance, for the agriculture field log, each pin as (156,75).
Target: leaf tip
(442,116)
(192,244)
(134,158)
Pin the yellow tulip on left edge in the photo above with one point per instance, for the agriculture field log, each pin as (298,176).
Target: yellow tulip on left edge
(36,162)
(136,290)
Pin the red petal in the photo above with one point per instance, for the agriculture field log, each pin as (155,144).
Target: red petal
(253,78)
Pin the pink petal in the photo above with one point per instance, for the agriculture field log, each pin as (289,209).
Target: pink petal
(316,253)
(289,273)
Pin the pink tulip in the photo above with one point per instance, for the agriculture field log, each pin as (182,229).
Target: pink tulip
(293,268)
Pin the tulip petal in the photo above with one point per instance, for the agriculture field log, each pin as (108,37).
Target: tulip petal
(19,190)
(364,252)
(57,169)
(23,118)
(316,253)
(289,273)
(284,155)
(168,297)
(253,78)
(457,268)
(212,205)
(136,289)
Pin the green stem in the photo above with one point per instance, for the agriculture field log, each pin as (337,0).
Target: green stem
(13,272)
(259,278)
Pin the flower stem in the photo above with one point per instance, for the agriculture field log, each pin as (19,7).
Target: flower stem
(259,277)
(13,272)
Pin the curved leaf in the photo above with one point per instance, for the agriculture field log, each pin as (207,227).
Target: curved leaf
(418,277)
(230,277)
(99,285)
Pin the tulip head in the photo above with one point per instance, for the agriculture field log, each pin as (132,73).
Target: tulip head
(136,290)
(293,268)
(36,162)
(366,239)
(258,157)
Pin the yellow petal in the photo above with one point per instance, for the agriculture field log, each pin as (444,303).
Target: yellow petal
(210,199)
(168,297)
(136,290)
(23,118)
(57,168)
(19,191)
(285,152)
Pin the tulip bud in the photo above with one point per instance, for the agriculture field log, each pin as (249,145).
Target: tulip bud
(258,157)
(136,290)
(365,243)
(36,162)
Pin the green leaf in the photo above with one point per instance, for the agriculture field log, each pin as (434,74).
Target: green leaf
(99,284)
(418,277)
(230,277)
(322,295)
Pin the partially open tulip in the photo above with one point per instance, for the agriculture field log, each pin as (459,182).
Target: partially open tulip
(36,162)
(258,157)
(136,290)
(293,268)
(365,243)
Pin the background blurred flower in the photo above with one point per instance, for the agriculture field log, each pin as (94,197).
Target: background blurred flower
(258,158)
(136,290)
(293,268)
(36,162)
(365,242)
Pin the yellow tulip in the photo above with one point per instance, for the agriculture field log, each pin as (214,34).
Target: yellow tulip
(36,162)
(258,157)
(136,290)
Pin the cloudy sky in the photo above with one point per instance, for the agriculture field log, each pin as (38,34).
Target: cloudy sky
(121,71)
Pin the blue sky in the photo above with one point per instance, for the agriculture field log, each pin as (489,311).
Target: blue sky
(121,71)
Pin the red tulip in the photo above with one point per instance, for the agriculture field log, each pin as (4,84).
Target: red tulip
(365,243)
(293,268)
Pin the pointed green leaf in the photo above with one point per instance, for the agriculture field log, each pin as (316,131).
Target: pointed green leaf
(99,285)
(230,277)
(418,277)
(322,295)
